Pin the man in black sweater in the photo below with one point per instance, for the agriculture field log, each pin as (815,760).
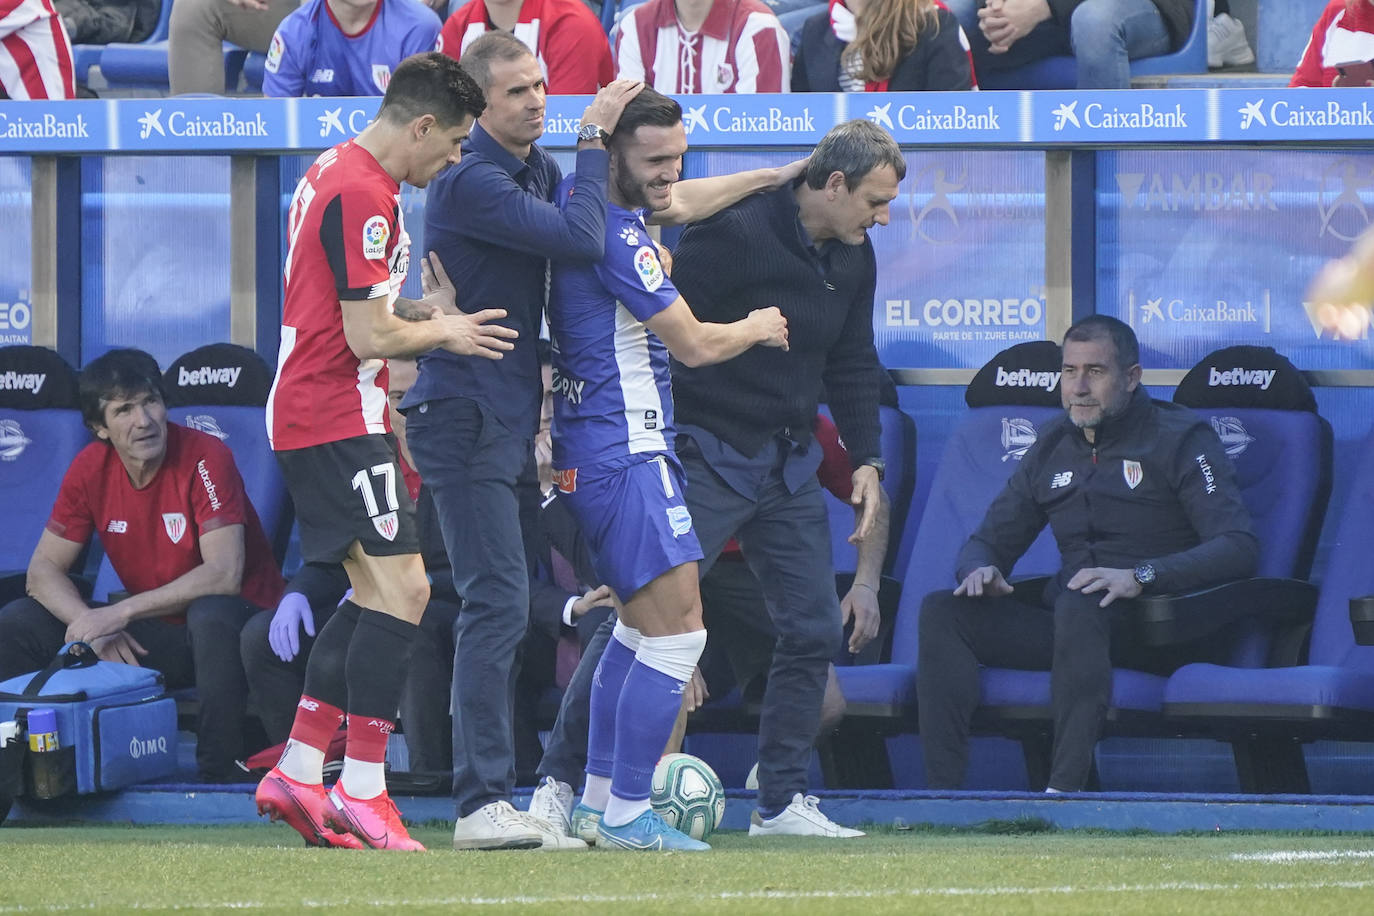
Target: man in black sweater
(745,424)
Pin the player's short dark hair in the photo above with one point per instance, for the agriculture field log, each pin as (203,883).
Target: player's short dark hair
(431,84)
(854,149)
(1105,327)
(123,373)
(650,108)
(489,49)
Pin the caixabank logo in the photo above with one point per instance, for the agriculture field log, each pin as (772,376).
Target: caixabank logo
(39,126)
(171,124)
(752,120)
(927,117)
(1156,315)
(332,121)
(1302,114)
(1120,117)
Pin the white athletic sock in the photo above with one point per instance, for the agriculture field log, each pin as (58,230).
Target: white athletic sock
(362,779)
(301,762)
(620,811)
(596,792)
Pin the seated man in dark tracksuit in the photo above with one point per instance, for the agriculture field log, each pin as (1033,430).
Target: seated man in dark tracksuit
(1141,498)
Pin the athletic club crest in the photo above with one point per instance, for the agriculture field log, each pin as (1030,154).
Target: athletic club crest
(1131,470)
(725,75)
(175,523)
(386,525)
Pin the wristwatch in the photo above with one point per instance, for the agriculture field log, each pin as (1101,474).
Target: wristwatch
(1144,575)
(878,465)
(589,131)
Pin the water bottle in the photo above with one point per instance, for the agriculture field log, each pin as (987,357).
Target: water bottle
(51,767)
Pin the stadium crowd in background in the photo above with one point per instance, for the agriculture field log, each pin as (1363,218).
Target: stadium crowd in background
(683,47)
(1341,47)
(346,47)
(567,39)
(882,46)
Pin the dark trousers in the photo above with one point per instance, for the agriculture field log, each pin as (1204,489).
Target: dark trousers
(565,754)
(1075,640)
(276,685)
(785,538)
(204,654)
(471,462)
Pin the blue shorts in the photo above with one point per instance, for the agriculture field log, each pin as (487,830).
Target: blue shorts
(633,515)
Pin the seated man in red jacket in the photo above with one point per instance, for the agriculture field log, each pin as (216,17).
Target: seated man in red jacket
(169,508)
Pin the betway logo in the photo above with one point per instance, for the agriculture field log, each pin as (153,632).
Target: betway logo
(1025,378)
(184,124)
(1098,117)
(1260,378)
(724,120)
(960,118)
(1285,114)
(23,381)
(206,375)
(48,127)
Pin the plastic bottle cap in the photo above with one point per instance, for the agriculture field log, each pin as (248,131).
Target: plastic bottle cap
(42,721)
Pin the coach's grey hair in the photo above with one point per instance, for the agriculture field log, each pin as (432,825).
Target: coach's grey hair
(853,148)
(487,50)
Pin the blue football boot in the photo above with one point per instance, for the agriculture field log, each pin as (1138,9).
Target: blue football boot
(585,820)
(648,831)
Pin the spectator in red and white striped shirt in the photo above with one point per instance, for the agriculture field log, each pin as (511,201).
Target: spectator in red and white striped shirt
(35,53)
(565,36)
(704,46)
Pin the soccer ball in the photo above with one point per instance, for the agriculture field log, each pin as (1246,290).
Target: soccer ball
(688,795)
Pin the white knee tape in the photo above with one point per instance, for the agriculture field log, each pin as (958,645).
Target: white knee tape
(675,656)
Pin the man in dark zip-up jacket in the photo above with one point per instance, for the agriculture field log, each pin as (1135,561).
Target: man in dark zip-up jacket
(1141,499)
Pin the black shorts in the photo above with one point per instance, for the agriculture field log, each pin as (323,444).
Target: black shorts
(350,490)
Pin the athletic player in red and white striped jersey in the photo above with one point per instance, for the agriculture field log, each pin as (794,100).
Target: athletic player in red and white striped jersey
(343,317)
(692,46)
(35,52)
(565,36)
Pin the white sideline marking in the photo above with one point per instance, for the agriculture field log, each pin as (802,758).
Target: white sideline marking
(1294,855)
(724,896)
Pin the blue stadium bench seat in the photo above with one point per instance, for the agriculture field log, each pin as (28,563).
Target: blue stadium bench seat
(88,56)
(40,433)
(1282,452)
(1323,690)
(144,65)
(1062,72)
(982,451)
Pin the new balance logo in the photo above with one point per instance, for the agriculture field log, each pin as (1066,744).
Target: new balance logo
(117,526)
(1062,479)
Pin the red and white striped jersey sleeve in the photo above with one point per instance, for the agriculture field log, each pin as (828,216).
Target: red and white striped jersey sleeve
(35,52)
(763,55)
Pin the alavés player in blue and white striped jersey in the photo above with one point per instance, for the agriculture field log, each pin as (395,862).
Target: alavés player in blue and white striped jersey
(614,323)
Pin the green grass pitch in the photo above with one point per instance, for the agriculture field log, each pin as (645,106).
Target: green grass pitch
(264,869)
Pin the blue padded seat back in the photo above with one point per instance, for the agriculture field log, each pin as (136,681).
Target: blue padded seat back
(221,389)
(1283,467)
(980,456)
(40,433)
(1349,572)
(898,446)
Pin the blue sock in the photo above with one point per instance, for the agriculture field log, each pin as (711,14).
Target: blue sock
(648,708)
(606,688)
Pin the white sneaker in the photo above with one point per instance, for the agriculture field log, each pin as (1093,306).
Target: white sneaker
(497,826)
(551,838)
(801,818)
(552,802)
(1226,43)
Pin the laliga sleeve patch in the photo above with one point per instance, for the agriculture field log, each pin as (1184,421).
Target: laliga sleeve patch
(375,233)
(649,270)
(274,53)
(679,519)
